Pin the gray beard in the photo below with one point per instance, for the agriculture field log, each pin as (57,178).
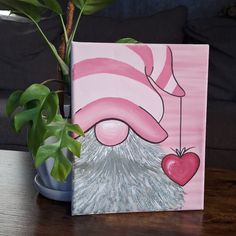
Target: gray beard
(124,178)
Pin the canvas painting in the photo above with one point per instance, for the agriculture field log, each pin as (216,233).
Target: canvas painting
(143,110)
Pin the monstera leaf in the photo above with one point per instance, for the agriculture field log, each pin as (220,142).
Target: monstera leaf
(13,102)
(36,107)
(60,129)
(91,6)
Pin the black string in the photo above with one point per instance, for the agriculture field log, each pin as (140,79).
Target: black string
(180,126)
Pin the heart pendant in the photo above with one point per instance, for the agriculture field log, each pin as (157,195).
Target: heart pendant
(181,169)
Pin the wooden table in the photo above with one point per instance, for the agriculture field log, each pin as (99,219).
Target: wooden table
(24,212)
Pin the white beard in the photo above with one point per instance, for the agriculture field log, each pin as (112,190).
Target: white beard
(124,178)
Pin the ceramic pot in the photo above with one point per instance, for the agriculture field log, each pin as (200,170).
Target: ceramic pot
(48,186)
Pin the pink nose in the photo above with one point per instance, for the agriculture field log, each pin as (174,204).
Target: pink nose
(111,132)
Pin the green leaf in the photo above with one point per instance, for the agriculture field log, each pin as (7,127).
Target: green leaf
(13,102)
(60,129)
(36,134)
(53,5)
(44,152)
(58,123)
(71,144)
(75,129)
(16,2)
(127,40)
(23,118)
(47,101)
(49,108)
(91,6)
(46,111)
(37,106)
(28,8)
(32,2)
(34,92)
(64,67)
(61,168)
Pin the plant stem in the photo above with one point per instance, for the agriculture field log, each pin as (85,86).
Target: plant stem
(60,91)
(68,46)
(64,29)
(53,80)
(62,50)
(64,67)
(67,29)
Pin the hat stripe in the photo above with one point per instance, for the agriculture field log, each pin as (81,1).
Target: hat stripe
(96,86)
(166,80)
(108,66)
(145,52)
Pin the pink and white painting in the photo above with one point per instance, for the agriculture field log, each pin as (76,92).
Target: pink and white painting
(143,110)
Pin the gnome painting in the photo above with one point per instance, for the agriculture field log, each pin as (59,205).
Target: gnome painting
(143,110)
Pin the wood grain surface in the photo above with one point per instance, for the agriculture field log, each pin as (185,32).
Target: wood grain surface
(24,212)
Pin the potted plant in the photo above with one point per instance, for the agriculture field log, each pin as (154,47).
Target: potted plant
(42,109)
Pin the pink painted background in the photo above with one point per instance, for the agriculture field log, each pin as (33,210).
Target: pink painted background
(191,69)
(190,65)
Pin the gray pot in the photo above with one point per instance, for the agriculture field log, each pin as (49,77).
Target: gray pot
(48,186)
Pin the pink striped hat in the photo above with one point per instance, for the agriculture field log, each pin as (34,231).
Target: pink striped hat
(115,88)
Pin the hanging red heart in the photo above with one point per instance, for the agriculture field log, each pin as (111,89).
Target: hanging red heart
(181,168)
